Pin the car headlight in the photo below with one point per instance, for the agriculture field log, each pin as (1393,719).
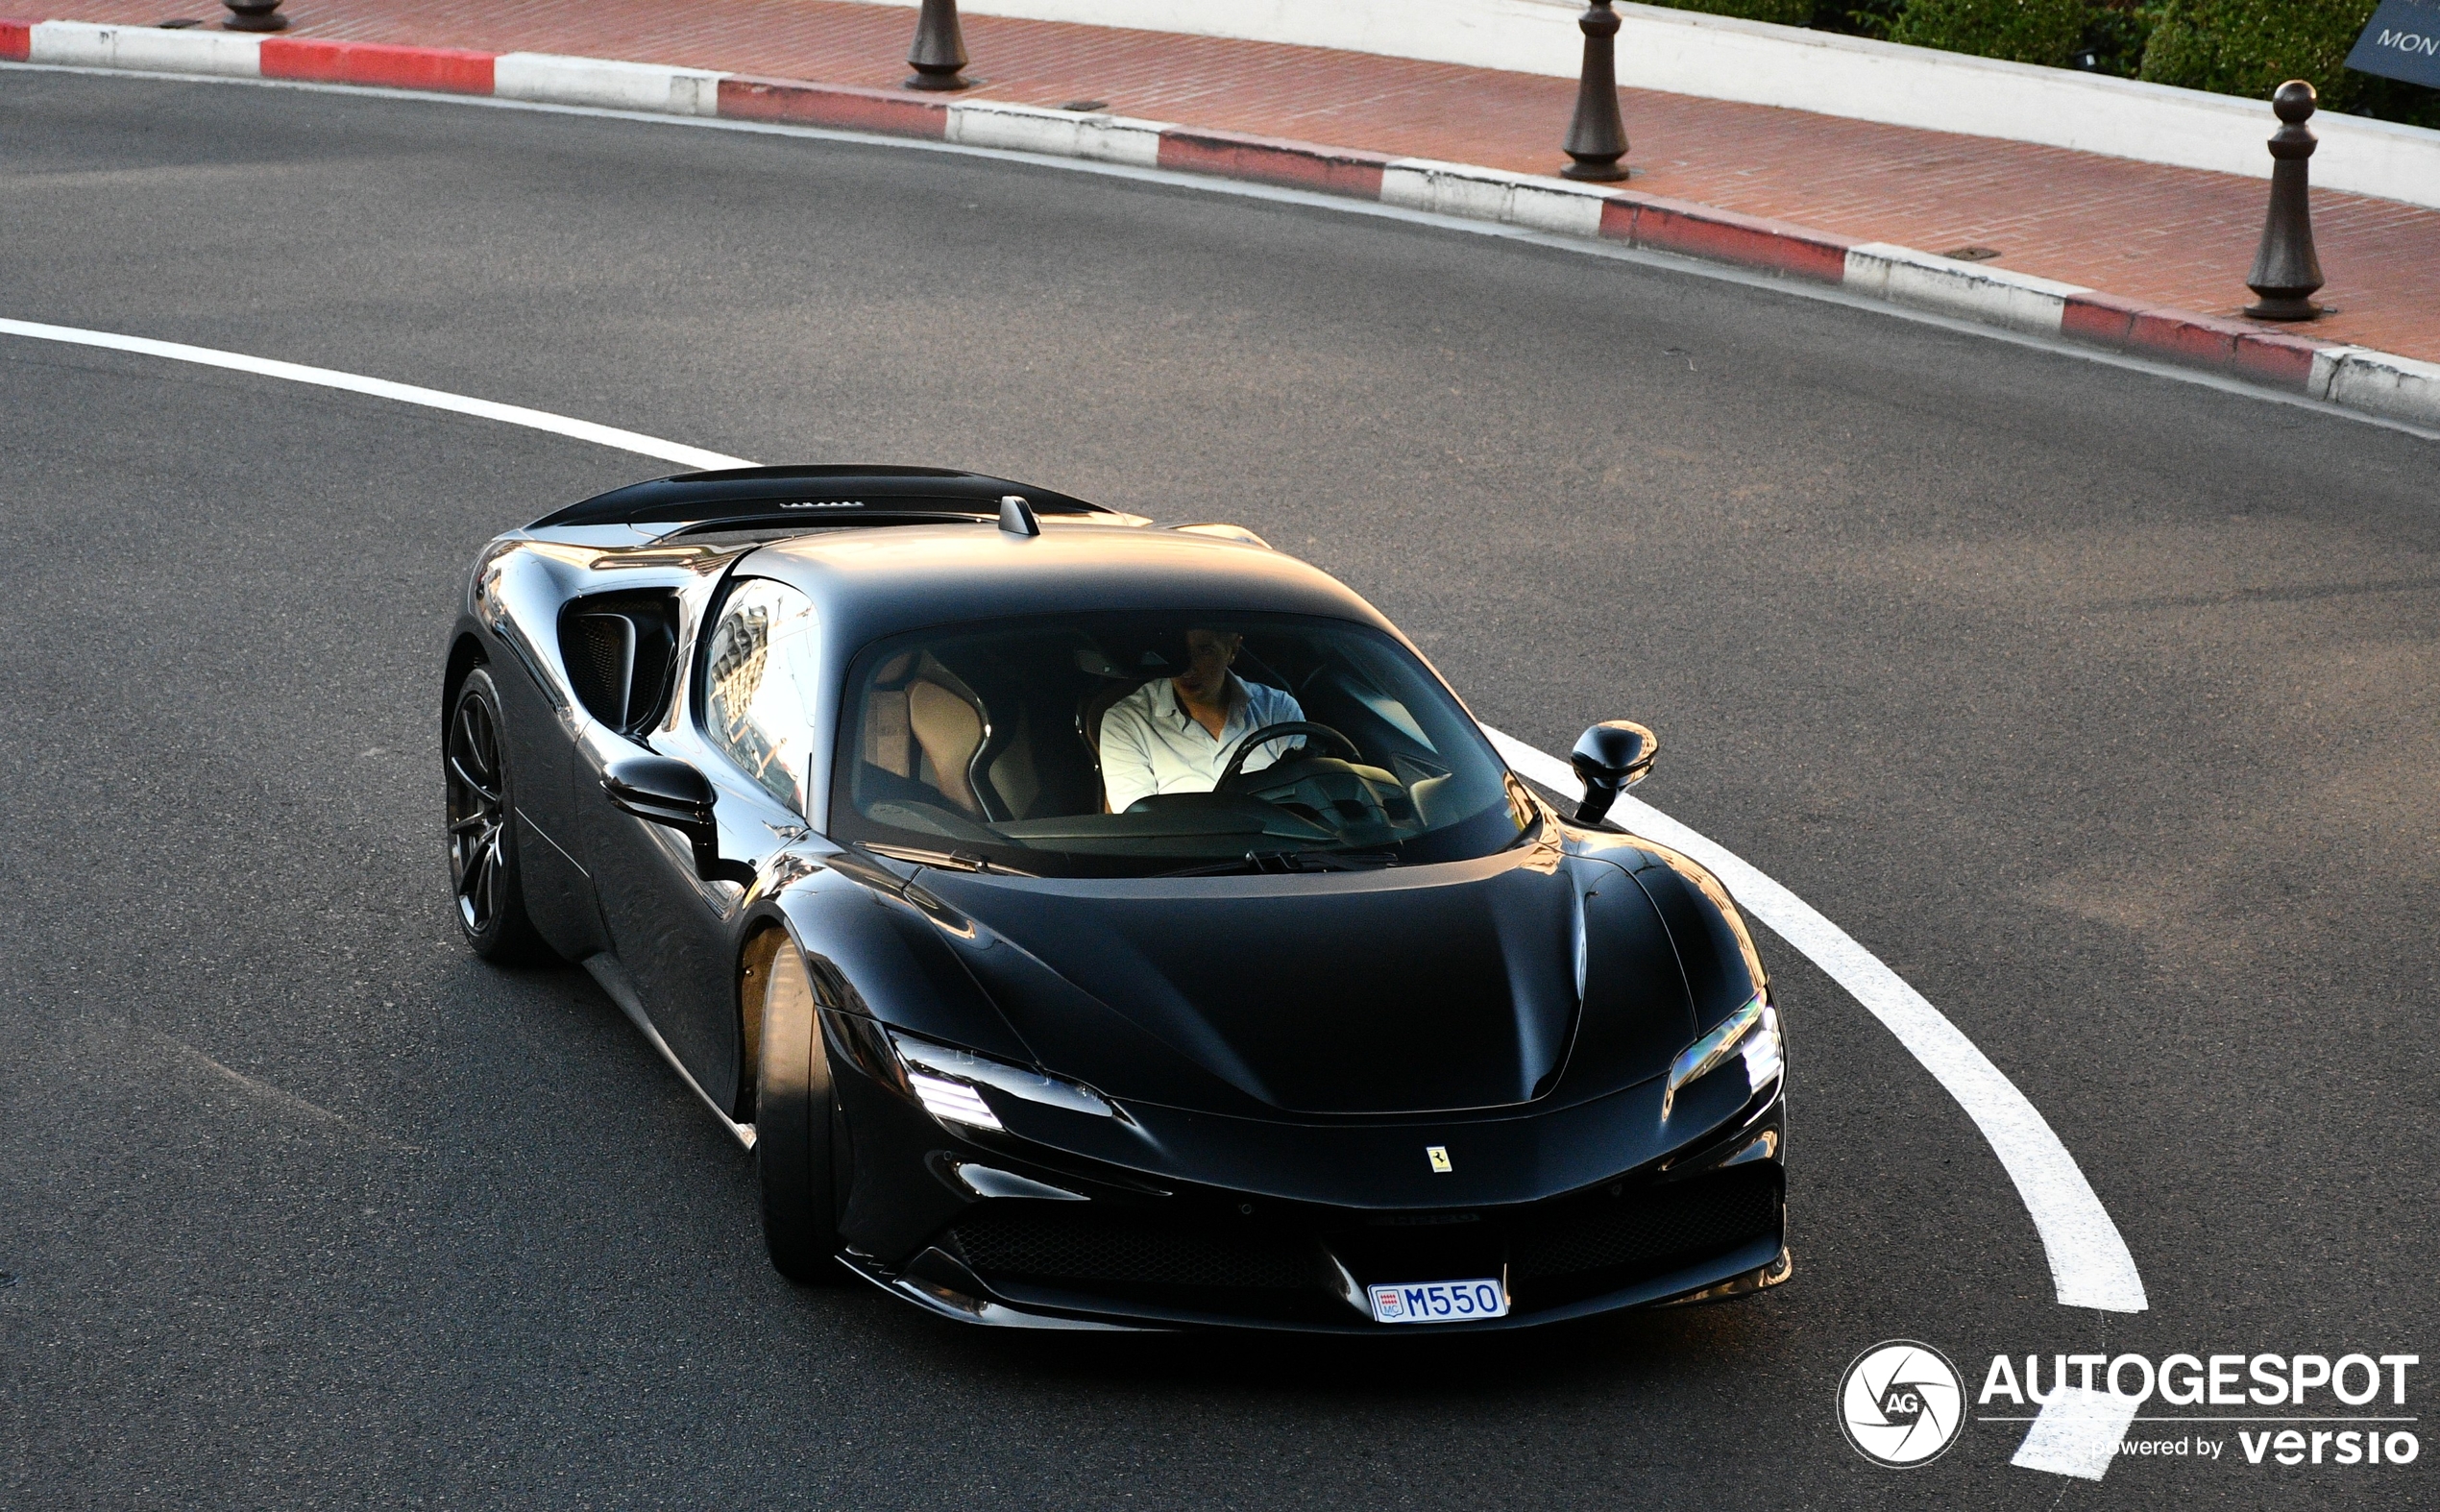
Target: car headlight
(950,1083)
(1750,1033)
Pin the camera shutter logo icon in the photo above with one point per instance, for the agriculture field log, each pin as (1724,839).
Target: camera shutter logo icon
(1902,1404)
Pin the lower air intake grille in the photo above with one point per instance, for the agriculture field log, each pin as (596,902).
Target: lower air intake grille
(1646,1228)
(1060,1243)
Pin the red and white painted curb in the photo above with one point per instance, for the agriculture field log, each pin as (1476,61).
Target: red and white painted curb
(2357,377)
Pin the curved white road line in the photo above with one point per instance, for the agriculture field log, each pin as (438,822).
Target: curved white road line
(2088,1261)
(2089,1265)
(379,388)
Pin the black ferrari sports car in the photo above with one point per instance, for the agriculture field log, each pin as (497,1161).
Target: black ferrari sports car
(1088,923)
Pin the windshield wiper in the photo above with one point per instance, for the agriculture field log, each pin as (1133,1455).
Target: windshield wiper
(1283,862)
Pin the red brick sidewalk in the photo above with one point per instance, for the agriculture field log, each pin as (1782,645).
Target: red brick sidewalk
(2172,237)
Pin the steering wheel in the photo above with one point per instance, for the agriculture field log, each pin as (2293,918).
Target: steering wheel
(1256,741)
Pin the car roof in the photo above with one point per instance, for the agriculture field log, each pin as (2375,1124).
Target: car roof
(868,583)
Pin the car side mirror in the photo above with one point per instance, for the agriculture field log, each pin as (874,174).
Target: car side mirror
(660,790)
(1610,758)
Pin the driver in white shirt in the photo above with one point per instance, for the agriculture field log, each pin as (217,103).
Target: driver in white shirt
(1176,734)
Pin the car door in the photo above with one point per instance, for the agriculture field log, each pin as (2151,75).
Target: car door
(750,733)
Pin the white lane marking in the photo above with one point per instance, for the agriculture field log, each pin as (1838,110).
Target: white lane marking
(2090,1266)
(379,388)
(2077,1434)
(2088,1261)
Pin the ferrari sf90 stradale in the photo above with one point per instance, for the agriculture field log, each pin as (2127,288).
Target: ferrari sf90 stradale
(1090,923)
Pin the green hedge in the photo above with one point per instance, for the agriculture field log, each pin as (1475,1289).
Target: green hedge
(2021,30)
(2250,47)
(2241,47)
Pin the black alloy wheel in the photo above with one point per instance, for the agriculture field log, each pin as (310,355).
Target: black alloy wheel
(482,846)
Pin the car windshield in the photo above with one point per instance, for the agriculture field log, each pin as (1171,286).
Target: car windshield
(1119,744)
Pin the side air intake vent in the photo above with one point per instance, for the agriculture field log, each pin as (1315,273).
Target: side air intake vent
(600,651)
(620,650)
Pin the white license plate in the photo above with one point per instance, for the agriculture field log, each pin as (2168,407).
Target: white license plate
(1439,1302)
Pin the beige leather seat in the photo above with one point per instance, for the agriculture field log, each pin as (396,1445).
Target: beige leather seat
(928,728)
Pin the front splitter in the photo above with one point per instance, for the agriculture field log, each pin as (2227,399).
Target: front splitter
(1741,1272)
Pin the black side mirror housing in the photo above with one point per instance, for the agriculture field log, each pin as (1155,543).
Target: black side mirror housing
(661,789)
(1610,758)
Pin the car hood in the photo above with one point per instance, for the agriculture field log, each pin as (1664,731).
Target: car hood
(1432,988)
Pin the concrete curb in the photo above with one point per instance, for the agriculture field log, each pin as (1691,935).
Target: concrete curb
(1791,67)
(2357,377)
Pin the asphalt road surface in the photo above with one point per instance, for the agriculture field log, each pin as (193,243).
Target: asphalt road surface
(2101,706)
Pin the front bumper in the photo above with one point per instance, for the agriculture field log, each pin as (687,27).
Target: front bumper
(1037,1238)
(976,1304)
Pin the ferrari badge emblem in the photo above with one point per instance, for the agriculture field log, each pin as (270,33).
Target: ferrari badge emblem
(1439,1156)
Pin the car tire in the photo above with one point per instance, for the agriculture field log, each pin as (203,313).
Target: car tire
(486,884)
(795,1118)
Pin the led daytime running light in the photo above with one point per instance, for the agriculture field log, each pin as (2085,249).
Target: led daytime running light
(949,1082)
(1763,1057)
(953,1102)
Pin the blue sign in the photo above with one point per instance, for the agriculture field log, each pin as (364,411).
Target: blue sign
(2400,41)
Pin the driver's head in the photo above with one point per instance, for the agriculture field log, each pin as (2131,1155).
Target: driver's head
(1208,654)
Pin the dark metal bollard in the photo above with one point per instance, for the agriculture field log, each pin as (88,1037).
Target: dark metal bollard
(2285,270)
(940,49)
(254,16)
(1597,138)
